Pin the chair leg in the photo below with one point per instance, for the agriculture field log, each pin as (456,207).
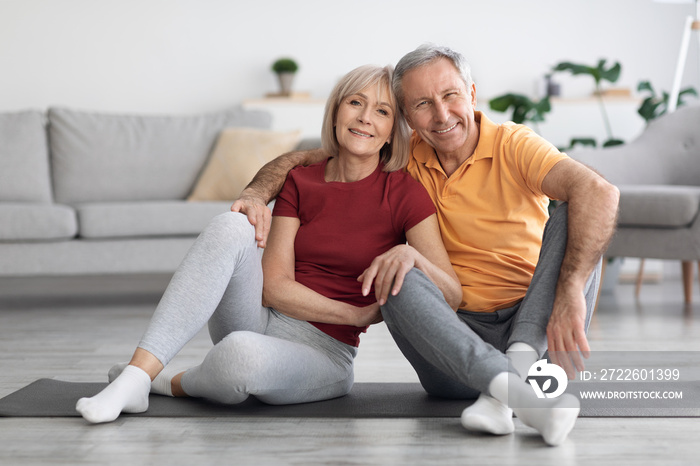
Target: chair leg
(640,276)
(600,286)
(688,280)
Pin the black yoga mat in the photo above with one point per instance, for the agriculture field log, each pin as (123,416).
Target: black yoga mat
(55,398)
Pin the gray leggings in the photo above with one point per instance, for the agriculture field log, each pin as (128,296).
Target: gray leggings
(456,355)
(257,351)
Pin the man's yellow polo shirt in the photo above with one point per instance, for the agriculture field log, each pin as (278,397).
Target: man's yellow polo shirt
(492,210)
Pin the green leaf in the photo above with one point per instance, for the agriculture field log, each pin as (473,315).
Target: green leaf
(611,74)
(573,68)
(524,109)
(645,86)
(501,103)
(613,142)
(685,92)
(598,72)
(587,142)
(650,108)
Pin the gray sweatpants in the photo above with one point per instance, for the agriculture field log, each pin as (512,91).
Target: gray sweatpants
(456,355)
(257,351)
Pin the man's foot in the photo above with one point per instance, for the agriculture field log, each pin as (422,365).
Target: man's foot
(488,415)
(127,393)
(553,418)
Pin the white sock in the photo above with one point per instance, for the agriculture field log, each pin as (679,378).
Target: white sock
(488,415)
(127,393)
(161,385)
(115,370)
(522,356)
(553,418)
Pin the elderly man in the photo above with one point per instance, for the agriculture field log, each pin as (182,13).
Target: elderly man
(529,283)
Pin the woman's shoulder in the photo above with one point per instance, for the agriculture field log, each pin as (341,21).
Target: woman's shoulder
(308,172)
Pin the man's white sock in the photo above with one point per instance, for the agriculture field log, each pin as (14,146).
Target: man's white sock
(488,415)
(522,356)
(553,418)
(127,393)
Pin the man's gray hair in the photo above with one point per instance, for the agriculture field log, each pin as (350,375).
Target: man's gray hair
(424,55)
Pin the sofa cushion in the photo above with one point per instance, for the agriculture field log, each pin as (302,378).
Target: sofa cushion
(102,157)
(658,206)
(237,157)
(146,219)
(24,158)
(36,222)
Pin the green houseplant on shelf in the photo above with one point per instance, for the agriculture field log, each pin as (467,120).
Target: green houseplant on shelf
(285,68)
(599,73)
(524,108)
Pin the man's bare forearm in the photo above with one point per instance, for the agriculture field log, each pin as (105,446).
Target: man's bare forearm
(268,182)
(592,222)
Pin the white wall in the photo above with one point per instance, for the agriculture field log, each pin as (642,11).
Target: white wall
(182,56)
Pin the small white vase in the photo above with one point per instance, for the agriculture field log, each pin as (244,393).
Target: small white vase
(286,79)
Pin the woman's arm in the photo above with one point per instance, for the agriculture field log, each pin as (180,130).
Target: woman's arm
(426,252)
(285,294)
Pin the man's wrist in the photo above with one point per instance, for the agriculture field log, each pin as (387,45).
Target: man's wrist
(252,195)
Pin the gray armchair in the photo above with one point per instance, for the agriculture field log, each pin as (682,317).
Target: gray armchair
(658,175)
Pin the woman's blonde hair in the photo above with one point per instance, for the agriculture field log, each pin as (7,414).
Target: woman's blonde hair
(393,154)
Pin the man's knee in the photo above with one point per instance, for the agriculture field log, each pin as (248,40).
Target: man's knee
(559,217)
(415,283)
(418,295)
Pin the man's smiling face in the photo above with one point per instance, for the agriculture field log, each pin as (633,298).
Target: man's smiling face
(440,107)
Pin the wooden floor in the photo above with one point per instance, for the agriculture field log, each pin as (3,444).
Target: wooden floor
(58,335)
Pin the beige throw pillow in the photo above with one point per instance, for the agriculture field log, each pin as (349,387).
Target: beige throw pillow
(237,157)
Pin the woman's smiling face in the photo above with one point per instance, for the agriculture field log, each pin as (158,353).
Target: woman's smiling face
(365,120)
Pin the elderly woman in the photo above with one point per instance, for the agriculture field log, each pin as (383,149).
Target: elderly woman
(338,227)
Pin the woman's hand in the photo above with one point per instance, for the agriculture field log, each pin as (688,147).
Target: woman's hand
(387,271)
(368,315)
(425,252)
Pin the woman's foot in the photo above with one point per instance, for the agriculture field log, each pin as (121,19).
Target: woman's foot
(161,385)
(127,393)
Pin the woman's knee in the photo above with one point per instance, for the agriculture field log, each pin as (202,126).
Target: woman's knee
(229,232)
(231,223)
(240,350)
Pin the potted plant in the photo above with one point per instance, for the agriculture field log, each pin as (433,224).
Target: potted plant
(524,108)
(654,106)
(599,73)
(285,68)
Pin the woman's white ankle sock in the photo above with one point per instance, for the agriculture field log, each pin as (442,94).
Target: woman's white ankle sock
(127,393)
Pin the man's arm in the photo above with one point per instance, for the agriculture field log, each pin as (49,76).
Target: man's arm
(592,216)
(266,184)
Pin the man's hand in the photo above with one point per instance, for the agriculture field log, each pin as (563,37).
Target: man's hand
(566,336)
(258,214)
(388,271)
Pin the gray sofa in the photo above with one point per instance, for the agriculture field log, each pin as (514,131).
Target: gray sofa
(85,193)
(658,175)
